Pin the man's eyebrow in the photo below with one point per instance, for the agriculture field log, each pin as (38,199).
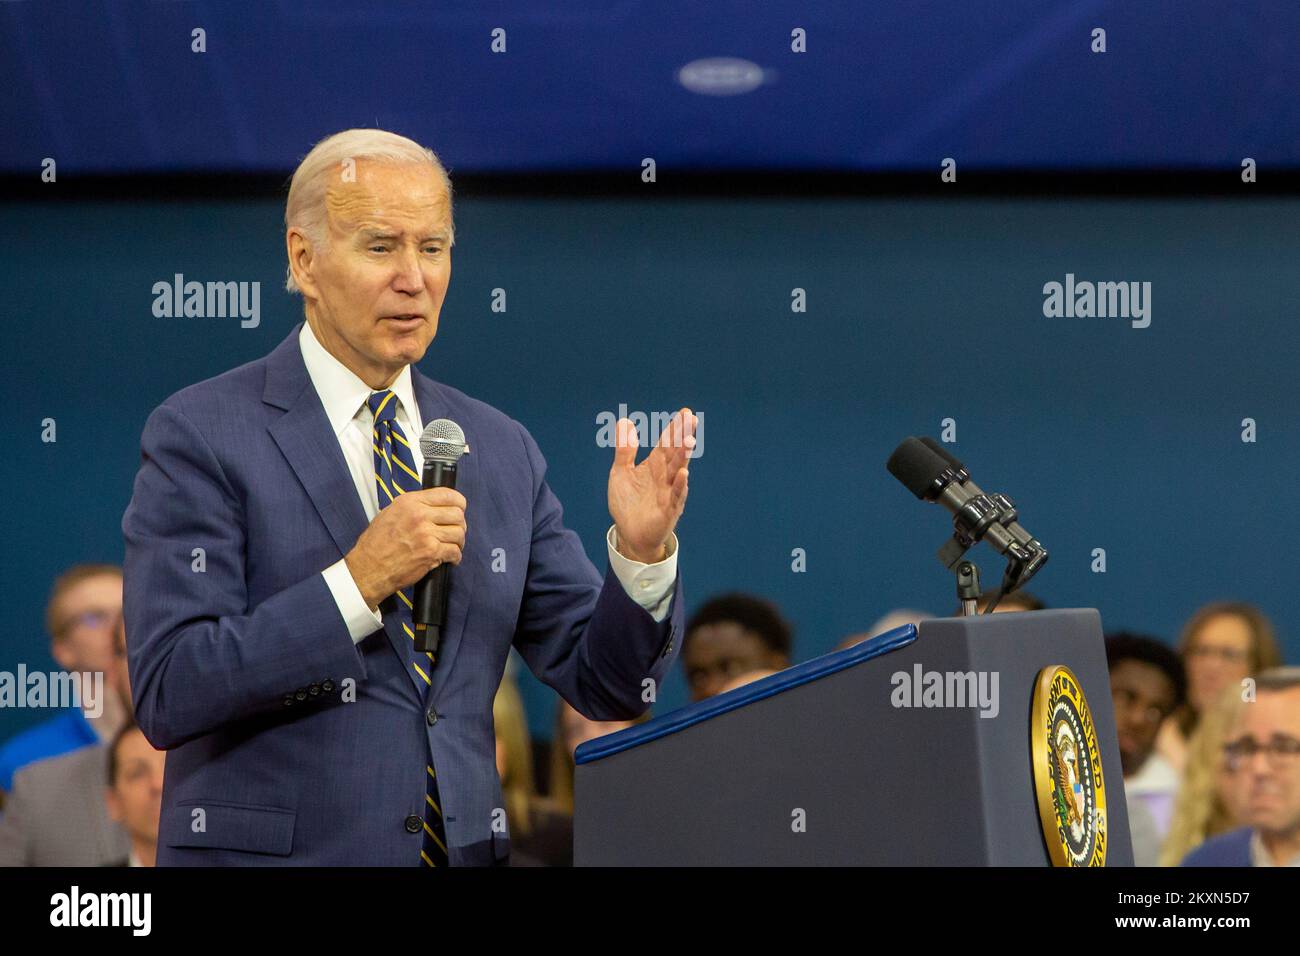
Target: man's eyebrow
(369,234)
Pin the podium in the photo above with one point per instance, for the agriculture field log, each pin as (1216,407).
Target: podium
(864,757)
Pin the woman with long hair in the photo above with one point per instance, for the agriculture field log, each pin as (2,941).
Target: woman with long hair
(1222,644)
(1207,802)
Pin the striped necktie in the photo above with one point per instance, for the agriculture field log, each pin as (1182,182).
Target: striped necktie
(395,474)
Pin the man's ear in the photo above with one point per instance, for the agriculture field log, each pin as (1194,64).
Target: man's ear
(302,255)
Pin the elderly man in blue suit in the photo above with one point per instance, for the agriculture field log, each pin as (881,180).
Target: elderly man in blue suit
(277,529)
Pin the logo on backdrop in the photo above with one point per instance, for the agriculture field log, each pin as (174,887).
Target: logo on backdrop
(1067,771)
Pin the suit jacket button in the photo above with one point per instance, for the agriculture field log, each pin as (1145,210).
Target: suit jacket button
(288,702)
(314,690)
(301,693)
(431,716)
(327,686)
(414,824)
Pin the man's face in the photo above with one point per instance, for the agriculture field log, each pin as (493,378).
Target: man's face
(377,289)
(135,797)
(83,624)
(717,653)
(1218,655)
(1269,784)
(1143,696)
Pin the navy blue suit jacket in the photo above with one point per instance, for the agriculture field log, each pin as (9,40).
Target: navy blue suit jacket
(1226,849)
(246,467)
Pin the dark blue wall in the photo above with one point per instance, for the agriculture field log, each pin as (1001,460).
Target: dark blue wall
(1107,436)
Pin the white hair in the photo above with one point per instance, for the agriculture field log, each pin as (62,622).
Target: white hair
(305,207)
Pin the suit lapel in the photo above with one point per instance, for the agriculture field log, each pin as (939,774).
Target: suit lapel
(433,405)
(312,449)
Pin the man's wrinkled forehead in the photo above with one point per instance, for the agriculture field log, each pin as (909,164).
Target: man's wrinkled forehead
(410,196)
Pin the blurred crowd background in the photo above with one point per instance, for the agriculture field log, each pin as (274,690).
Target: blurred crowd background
(1208,727)
(822,231)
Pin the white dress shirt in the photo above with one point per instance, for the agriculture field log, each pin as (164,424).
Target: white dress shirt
(1259,855)
(344,397)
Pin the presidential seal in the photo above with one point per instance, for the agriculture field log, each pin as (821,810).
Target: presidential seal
(1067,771)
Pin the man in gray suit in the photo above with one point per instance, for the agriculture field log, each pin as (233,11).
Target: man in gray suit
(56,814)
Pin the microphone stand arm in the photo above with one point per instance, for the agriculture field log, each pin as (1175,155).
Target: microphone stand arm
(1025,555)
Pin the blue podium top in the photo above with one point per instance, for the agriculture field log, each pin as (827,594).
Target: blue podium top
(780,682)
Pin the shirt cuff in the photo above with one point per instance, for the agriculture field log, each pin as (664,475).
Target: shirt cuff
(649,585)
(361,621)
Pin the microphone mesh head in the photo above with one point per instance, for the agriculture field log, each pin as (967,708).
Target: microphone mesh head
(443,441)
(917,467)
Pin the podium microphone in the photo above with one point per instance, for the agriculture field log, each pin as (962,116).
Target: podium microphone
(441,443)
(932,474)
(931,477)
(1009,517)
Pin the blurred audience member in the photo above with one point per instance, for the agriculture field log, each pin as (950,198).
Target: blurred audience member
(1222,644)
(134,793)
(747,678)
(84,603)
(1207,803)
(56,815)
(1015,601)
(540,835)
(1146,684)
(730,635)
(894,619)
(572,729)
(1263,753)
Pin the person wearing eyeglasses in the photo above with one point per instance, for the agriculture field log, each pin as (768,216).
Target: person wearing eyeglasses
(80,616)
(1262,753)
(1222,644)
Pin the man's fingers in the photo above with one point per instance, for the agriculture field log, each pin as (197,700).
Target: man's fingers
(444,516)
(439,498)
(626,443)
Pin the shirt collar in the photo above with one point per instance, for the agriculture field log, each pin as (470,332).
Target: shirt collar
(1259,856)
(341,392)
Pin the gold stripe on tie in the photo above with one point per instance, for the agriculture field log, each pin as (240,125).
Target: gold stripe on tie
(431,773)
(434,837)
(380,409)
(401,439)
(425,857)
(408,602)
(421,673)
(402,466)
(384,486)
(432,804)
(382,454)
(407,628)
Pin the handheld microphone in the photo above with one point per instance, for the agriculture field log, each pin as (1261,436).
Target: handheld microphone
(441,443)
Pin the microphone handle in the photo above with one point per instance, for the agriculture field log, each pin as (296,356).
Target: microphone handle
(432,592)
